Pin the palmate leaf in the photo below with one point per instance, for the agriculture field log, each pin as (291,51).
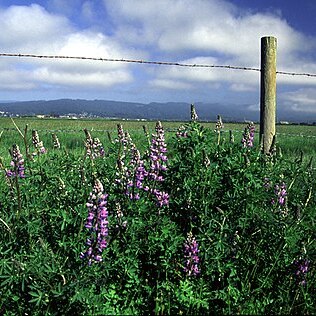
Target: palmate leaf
(36,297)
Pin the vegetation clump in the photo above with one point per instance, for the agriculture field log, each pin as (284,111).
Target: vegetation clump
(194,224)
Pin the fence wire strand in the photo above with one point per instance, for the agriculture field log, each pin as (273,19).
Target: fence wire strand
(150,62)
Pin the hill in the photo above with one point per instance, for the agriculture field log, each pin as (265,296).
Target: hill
(152,111)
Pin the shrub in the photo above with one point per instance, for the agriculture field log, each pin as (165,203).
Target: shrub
(201,224)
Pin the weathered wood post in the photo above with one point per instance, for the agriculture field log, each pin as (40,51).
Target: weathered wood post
(268,91)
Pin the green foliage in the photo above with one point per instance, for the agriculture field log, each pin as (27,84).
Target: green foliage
(221,192)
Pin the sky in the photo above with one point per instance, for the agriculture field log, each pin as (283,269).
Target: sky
(216,32)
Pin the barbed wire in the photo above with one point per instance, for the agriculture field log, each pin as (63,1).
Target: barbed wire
(151,62)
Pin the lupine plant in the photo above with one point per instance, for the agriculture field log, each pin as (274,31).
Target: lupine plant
(97,224)
(191,255)
(158,165)
(17,171)
(17,163)
(189,224)
(56,143)
(94,147)
(248,135)
(38,145)
(301,270)
(218,127)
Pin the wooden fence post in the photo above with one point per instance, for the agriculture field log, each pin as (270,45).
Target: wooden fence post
(268,91)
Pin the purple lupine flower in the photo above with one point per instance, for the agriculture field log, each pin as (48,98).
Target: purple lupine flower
(158,152)
(161,196)
(124,139)
(98,149)
(94,147)
(194,116)
(191,251)
(248,135)
(120,133)
(140,170)
(132,176)
(128,139)
(301,270)
(279,200)
(17,163)
(158,165)
(182,132)
(135,174)
(127,162)
(280,192)
(37,143)
(140,175)
(97,224)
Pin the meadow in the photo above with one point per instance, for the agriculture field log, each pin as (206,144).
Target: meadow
(177,218)
(292,139)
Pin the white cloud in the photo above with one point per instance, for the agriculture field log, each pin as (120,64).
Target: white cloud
(201,32)
(170,84)
(155,22)
(240,87)
(15,80)
(303,100)
(298,80)
(240,80)
(208,25)
(86,80)
(31,29)
(214,28)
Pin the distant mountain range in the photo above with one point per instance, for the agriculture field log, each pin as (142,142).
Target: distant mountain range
(151,111)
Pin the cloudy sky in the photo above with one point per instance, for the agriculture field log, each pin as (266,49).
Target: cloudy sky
(188,31)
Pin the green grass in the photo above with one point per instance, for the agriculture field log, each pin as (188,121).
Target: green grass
(292,139)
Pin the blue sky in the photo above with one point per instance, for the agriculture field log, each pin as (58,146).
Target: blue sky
(190,31)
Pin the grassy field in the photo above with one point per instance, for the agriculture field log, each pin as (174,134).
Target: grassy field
(292,139)
(107,124)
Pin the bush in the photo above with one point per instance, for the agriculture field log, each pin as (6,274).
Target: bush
(217,227)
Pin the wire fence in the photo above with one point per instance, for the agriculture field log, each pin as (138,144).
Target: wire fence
(151,62)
